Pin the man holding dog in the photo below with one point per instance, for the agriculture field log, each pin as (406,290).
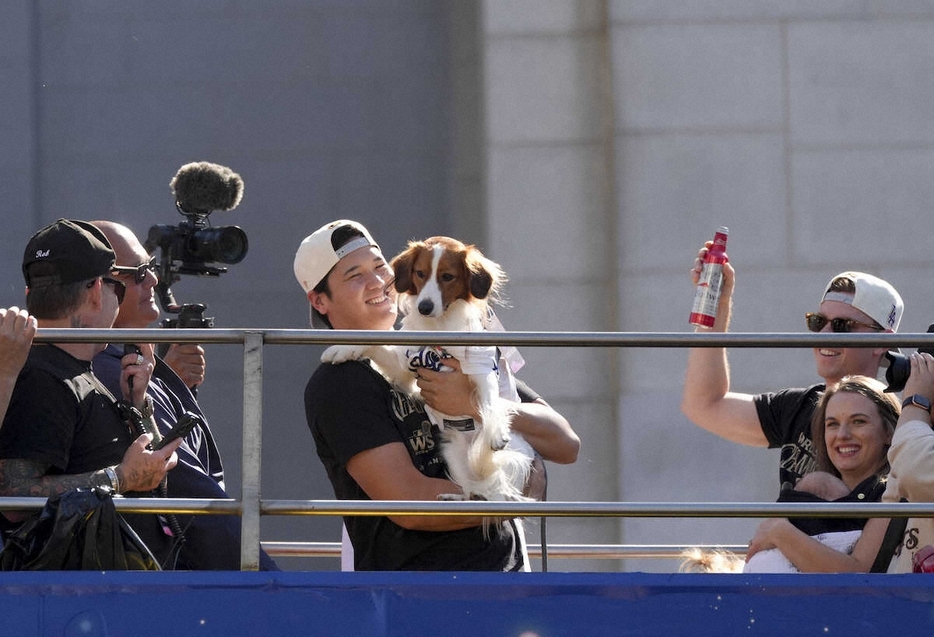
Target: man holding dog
(852,302)
(377,443)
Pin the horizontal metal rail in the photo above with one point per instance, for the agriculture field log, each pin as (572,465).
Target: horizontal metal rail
(579,551)
(545,339)
(379,508)
(251,507)
(597,509)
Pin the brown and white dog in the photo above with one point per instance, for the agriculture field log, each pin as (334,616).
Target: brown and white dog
(445,285)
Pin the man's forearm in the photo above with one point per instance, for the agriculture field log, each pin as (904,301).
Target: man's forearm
(26,478)
(547,431)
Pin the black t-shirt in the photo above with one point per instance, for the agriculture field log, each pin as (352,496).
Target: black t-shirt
(351,408)
(785,417)
(58,417)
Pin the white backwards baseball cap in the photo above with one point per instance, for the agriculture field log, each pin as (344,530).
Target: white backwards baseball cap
(874,297)
(320,251)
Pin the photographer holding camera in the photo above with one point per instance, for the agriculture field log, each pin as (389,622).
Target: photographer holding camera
(212,542)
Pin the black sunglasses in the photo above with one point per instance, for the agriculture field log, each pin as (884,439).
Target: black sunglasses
(139,272)
(119,288)
(817,321)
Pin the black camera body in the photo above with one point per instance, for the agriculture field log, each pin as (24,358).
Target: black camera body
(192,247)
(193,244)
(899,368)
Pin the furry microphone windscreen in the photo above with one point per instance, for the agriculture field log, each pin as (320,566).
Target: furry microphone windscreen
(202,187)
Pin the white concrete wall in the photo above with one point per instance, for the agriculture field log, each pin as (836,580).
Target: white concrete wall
(807,128)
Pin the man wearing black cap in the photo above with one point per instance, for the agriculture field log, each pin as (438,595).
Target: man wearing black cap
(63,429)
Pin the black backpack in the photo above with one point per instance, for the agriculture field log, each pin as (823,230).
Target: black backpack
(79,530)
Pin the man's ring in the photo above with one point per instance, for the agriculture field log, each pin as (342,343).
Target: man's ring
(139,359)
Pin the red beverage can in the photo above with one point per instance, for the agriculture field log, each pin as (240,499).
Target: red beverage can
(707,293)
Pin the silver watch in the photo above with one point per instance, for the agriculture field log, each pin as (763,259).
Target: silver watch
(111,474)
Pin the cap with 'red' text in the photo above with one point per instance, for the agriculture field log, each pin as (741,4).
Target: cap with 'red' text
(67,251)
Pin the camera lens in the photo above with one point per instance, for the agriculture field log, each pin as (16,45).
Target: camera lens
(226,244)
(898,371)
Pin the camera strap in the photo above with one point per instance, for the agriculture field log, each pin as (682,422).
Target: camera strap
(894,535)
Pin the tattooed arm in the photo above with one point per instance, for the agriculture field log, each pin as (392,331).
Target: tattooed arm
(140,470)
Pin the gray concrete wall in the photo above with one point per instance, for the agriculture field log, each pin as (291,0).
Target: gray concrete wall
(326,110)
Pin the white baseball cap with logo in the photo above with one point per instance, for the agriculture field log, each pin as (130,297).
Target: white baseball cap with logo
(874,297)
(318,254)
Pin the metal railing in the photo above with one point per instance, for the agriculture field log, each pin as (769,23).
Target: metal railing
(250,507)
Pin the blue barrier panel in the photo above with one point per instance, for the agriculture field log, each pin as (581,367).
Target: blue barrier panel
(476,604)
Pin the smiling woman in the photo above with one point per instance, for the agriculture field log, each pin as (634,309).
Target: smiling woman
(852,430)
(855,419)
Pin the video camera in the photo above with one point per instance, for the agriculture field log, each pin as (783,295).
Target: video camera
(194,246)
(899,368)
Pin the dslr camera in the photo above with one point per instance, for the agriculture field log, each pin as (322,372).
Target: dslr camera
(899,369)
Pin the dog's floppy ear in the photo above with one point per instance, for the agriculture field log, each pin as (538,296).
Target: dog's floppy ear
(402,266)
(485,276)
(480,283)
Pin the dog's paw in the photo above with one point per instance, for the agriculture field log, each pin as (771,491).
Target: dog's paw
(451,497)
(460,497)
(342,353)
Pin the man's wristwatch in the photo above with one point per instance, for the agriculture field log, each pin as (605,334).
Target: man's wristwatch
(114,480)
(917,400)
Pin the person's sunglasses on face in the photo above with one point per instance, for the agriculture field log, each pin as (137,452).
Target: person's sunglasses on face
(119,288)
(816,322)
(139,272)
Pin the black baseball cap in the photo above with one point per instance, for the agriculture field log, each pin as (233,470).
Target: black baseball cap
(67,251)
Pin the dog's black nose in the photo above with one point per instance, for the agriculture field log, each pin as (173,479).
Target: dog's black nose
(426,307)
